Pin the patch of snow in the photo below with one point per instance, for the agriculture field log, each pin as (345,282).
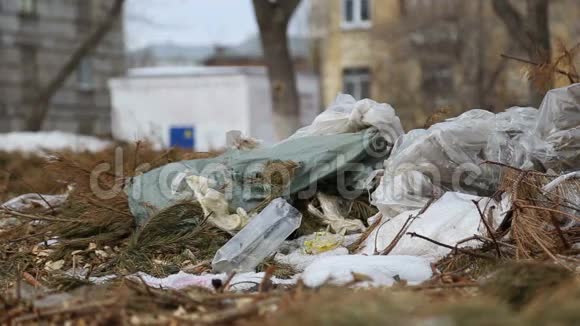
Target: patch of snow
(31,142)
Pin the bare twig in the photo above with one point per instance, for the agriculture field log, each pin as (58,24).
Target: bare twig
(467,252)
(227,282)
(560,71)
(559,232)
(404,229)
(356,245)
(267,279)
(489,230)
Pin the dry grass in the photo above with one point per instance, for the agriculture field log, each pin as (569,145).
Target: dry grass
(101,235)
(538,220)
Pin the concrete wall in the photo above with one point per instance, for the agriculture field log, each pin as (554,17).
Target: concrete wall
(212,101)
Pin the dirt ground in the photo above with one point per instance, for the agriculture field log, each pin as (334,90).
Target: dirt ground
(518,284)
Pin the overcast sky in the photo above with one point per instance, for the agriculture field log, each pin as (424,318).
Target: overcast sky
(196,22)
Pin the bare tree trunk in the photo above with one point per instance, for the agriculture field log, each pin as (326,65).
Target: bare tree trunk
(537,13)
(531,32)
(273,17)
(41,104)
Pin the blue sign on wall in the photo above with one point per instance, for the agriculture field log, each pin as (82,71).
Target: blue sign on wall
(182,137)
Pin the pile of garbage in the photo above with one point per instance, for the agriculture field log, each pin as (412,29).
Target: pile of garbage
(478,180)
(351,194)
(351,200)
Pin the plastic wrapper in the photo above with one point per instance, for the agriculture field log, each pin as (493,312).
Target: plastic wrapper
(215,205)
(31,202)
(449,156)
(332,215)
(347,115)
(512,140)
(558,125)
(322,242)
(259,239)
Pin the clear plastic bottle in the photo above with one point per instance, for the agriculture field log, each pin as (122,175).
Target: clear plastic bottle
(260,238)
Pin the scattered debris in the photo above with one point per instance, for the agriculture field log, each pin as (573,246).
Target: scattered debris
(479,213)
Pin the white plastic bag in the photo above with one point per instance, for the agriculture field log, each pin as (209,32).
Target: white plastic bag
(381,270)
(347,115)
(450,219)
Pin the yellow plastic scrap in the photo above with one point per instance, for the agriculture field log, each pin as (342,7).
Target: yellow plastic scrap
(322,241)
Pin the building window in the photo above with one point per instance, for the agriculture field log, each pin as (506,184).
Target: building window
(85,77)
(356,13)
(28,7)
(356,82)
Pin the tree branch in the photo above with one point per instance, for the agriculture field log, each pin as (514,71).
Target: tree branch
(513,22)
(41,103)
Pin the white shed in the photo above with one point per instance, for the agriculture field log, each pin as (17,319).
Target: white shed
(203,103)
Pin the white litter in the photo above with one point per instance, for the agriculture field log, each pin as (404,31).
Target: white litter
(383,270)
(299,260)
(29,202)
(33,142)
(239,282)
(215,205)
(331,215)
(347,115)
(449,220)
(556,182)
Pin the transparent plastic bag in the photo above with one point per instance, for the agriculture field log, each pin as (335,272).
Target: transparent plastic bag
(558,124)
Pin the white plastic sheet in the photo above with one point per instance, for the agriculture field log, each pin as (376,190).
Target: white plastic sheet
(348,115)
(382,270)
(451,219)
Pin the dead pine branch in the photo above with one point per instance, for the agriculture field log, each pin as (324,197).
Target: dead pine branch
(36,217)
